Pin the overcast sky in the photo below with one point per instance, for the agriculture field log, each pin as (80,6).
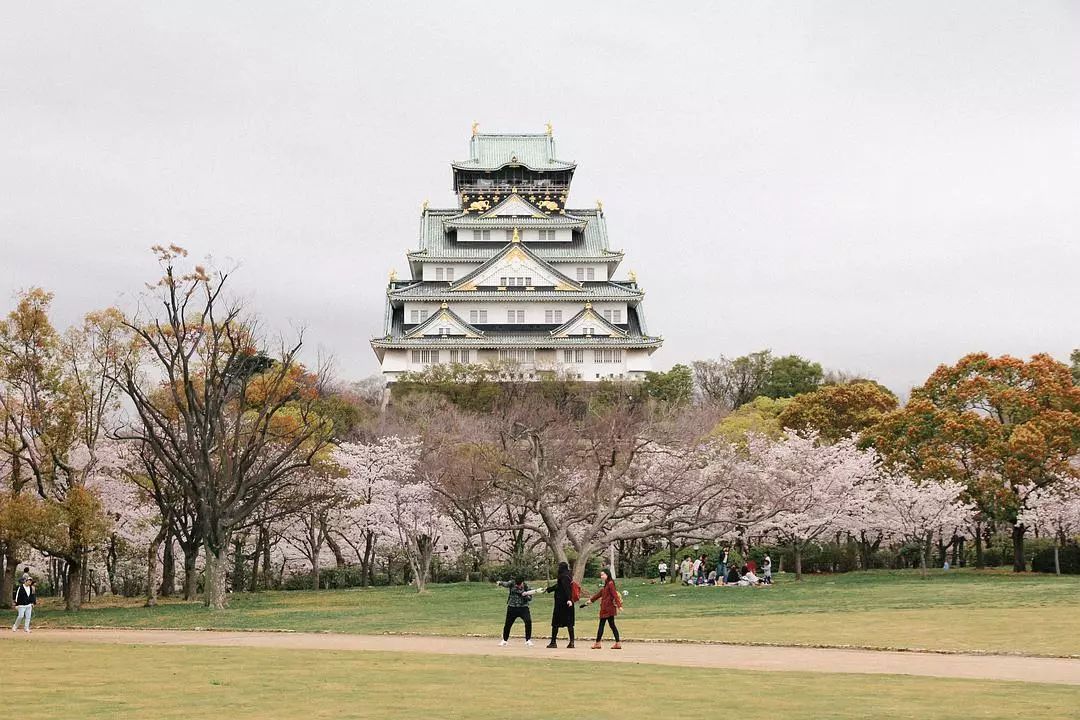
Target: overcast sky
(880,187)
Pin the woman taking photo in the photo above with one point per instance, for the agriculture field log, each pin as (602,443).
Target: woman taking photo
(610,604)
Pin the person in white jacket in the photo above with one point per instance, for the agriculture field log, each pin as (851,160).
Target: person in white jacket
(24,598)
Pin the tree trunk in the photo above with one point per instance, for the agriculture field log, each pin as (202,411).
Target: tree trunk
(1019,563)
(1057,561)
(315,555)
(7,580)
(168,567)
(798,561)
(980,559)
(367,570)
(191,579)
(253,581)
(943,548)
(420,559)
(216,561)
(73,589)
(238,563)
(152,568)
(267,574)
(335,547)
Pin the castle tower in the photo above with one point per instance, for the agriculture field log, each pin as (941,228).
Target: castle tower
(515,277)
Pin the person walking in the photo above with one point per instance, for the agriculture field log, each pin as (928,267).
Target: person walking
(766,570)
(684,570)
(517,606)
(662,569)
(610,604)
(695,572)
(562,614)
(24,598)
(721,566)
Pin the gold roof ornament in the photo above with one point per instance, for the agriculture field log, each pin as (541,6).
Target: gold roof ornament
(600,206)
(423,207)
(547,126)
(588,306)
(393,275)
(444,305)
(633,276)
(475,129)
(517,237)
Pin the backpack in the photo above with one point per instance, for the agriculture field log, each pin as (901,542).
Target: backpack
(575,591)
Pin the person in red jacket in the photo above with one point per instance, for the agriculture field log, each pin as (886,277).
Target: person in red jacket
(610,604)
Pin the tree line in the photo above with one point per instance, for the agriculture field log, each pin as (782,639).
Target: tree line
(176,447)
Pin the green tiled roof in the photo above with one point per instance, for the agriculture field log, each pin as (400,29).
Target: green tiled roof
(507,249)
(593,292)
(435,243)
(554,221)
(533,340)
(491,152)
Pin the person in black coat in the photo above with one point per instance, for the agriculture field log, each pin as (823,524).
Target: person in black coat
(562,615)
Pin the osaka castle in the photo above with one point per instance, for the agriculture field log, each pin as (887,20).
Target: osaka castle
(514,277)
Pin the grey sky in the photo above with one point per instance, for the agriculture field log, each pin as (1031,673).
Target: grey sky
(877,186)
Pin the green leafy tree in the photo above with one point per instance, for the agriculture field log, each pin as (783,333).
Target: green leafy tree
(676,386)
(760,416)
(791,375)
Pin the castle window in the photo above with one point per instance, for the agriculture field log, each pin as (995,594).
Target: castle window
(425,357)
(517,354)
(547,236)
(481,235)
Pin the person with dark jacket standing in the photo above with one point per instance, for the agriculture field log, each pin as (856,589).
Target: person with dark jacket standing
(610,604)
(562,615)
(24,598)
(517,606)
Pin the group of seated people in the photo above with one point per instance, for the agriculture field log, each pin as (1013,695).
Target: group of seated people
(733,574)
(743,577)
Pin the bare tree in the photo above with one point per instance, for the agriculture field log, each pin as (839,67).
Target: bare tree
(229,423)
(732,382)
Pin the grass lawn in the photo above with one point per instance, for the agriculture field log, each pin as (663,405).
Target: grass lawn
(959,610)
(73,680)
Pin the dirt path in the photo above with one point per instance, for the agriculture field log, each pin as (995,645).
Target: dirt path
(983,667)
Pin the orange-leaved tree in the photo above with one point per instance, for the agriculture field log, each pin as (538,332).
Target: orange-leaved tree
(1001,426)
(835,412)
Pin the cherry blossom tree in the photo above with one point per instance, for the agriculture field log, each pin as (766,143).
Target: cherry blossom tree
(810,488)
(915,511)
(1053,510)
(310,510)
(371,473)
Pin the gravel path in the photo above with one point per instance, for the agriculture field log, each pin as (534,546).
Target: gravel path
(982,667)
